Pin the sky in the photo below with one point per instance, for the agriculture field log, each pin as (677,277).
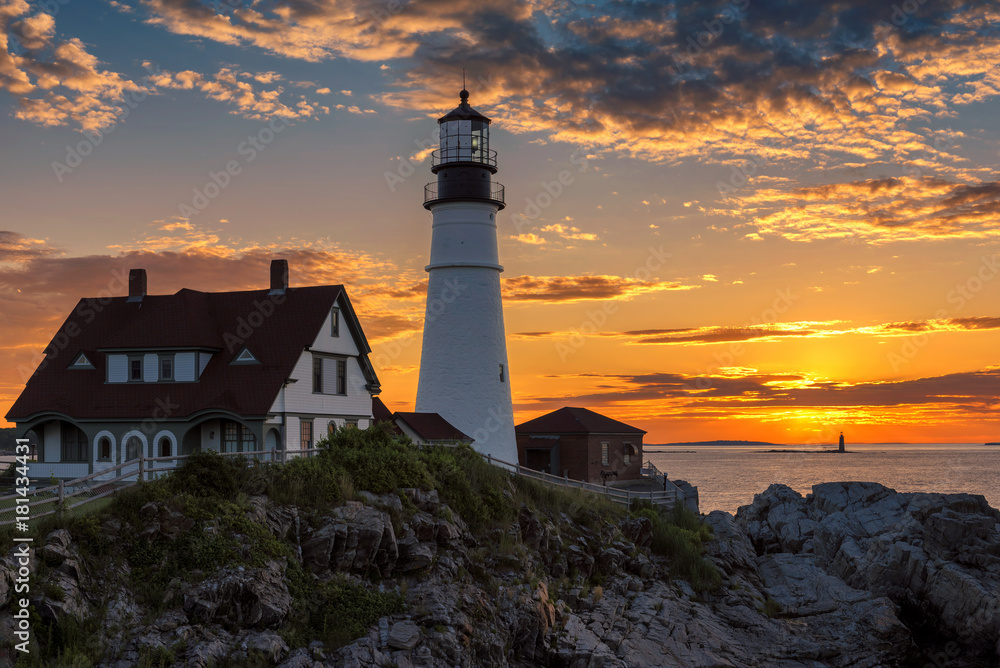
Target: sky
(742,219)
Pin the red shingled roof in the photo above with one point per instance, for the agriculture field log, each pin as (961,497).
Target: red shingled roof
(570,420)
(188,319)
(431,427)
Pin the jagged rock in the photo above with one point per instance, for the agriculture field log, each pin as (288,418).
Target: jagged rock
(413,555)
(266,643)
(246,597)
(688,495)
(424,526)
(533,533)
(389,502)
(404,635)
(354,537)
(933,554)
(579,560)
(282,521)
(423,500)
(609,561)
(158,519)
(639,530)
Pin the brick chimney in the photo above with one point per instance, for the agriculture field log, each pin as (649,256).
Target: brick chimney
(279,277)
(136,285)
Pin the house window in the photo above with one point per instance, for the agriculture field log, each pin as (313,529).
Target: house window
(317,375)
(165,447)
(604,452)
(335,322)
(331,427)
(341,376)
(352,423)
(249,440)
(104,449)
(230,437)
(132,447)
(74,444)
(135,369)
(628,454)
(306,434)
(166,367)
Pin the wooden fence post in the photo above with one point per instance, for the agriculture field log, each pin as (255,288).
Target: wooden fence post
(62,493)
(141,466)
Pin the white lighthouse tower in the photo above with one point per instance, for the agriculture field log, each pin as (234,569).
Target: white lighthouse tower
(464,375)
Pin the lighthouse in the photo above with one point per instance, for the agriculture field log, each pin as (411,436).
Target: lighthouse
(464,375)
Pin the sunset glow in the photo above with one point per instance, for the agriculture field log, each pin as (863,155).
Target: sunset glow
(774,227)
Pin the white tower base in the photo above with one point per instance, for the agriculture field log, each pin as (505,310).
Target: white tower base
(464,375)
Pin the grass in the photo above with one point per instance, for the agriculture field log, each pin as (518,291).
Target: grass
(680,535)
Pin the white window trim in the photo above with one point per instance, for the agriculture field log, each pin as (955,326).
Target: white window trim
(104,433)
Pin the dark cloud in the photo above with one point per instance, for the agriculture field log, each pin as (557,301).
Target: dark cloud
(973,393)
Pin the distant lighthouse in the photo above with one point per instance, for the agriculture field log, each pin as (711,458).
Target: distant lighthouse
(841,449)
(464,374)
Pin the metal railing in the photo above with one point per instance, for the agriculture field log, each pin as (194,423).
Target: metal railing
(457,154)
(625,496)
(496,193)
(107,481)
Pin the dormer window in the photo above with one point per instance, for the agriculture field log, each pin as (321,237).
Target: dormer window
(81,362)
(245,357)
(335,322)
(166,367)
(135,369)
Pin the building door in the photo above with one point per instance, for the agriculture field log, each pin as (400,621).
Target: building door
(539,459)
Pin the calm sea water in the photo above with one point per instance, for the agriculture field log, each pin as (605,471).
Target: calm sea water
(728,476)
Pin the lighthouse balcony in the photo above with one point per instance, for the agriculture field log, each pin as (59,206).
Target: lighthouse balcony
(464,190)
(458,155)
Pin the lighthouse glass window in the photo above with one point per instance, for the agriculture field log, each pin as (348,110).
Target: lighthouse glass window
(465,140)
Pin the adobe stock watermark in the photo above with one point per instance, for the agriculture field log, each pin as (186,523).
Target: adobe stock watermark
(378,17)
(958,297)
(550,191)
(218,181)
(783,301)
(435,308)
(248,324)
(407,166)
(698,43)
(77,153)
(86,311)
(597,318)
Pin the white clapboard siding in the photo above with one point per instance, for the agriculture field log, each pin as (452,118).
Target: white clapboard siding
(203,359)
(117,368)
(299,397)
(341,345)
(184,367)
(150,372)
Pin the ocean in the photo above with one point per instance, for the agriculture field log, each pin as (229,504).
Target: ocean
(728,476)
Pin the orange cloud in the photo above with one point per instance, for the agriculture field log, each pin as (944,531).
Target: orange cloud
(56,82)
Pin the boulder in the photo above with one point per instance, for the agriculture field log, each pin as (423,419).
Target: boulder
(255,597)
(404,635)
(354,538)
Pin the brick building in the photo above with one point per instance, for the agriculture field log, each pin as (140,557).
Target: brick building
(580,444)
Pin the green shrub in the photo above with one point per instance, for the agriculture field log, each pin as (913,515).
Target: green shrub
(376,460)
(335,611)
(679,535)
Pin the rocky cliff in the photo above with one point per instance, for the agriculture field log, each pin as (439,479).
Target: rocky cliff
(851,575)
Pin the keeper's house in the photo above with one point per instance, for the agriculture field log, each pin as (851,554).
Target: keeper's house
(582,445)
(174,374)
